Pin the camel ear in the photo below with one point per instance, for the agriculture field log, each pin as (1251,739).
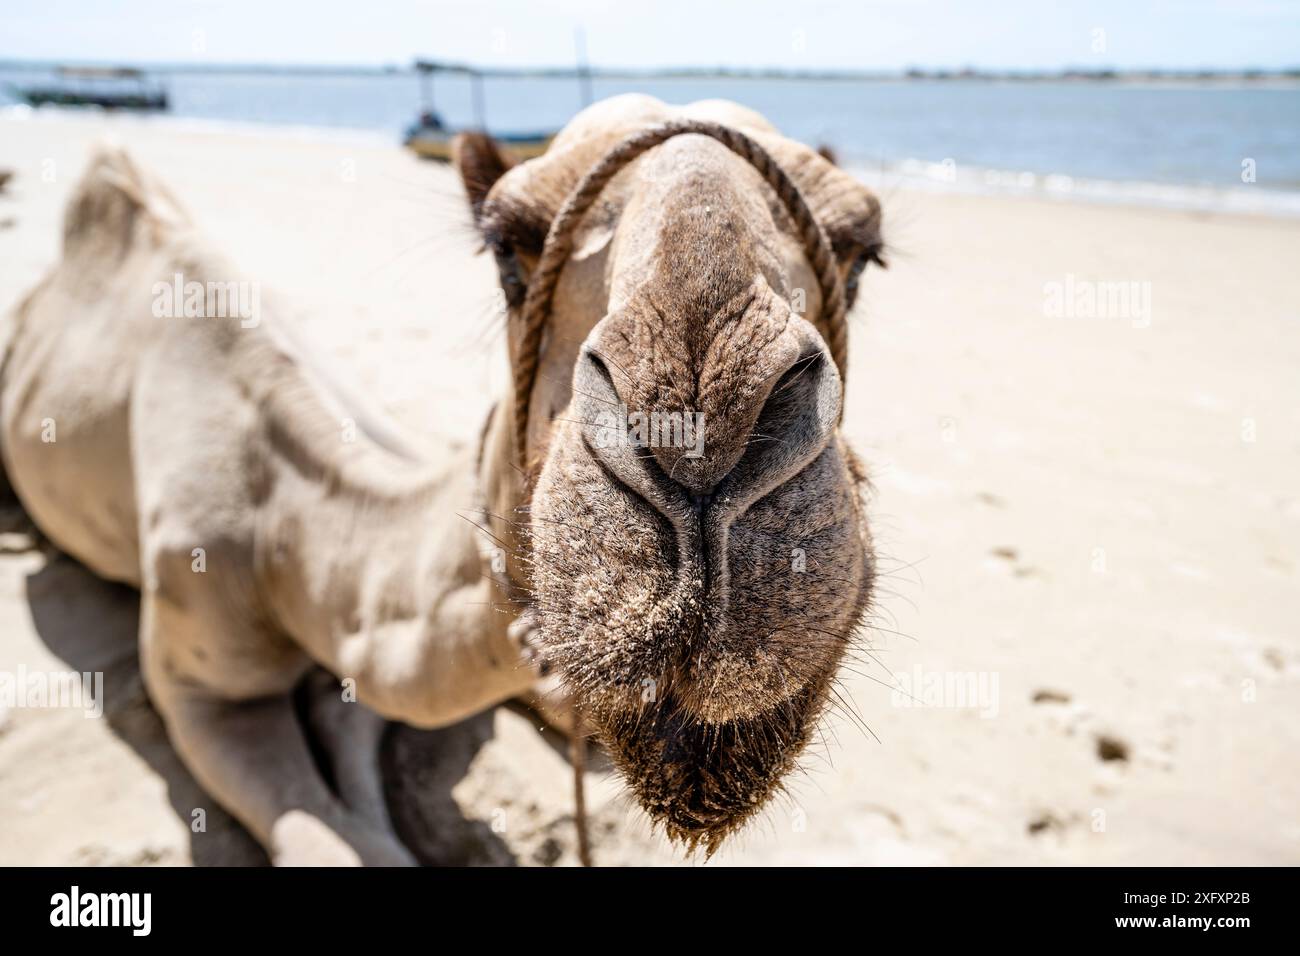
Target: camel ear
(480,163)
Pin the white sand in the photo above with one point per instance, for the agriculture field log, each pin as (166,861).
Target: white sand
(1085,506)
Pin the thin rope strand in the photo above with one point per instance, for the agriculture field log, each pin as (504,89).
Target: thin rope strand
(578,758)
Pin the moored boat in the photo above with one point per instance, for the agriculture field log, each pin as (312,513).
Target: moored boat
(430,138)
(114,88)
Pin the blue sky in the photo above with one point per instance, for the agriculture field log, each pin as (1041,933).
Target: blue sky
(870,34)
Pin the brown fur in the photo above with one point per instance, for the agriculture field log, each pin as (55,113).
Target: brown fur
(697,609)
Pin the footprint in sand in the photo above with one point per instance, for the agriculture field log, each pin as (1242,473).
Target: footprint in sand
(1043,823)
(1111,748)
(1049,696)
(1006,557)
(1070,718)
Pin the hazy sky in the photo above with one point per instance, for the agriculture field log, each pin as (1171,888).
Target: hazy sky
(873,34)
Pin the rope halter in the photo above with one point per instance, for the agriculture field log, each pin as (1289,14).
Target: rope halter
(559,245)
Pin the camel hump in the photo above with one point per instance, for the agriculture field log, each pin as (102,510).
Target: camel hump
(117,204)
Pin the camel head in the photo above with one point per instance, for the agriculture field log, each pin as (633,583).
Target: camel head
(694,538)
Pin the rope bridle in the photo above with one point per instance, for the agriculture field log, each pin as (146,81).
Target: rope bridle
(559,245)
(555,253)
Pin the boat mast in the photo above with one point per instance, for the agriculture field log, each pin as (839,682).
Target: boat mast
(425,69)
(480,109)
(584,72)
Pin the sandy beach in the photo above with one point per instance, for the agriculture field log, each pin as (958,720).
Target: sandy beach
(1083,427)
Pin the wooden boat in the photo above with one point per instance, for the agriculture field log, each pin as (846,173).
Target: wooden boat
(430,138)
(113,88)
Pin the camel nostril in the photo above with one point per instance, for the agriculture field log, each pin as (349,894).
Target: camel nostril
(694,457)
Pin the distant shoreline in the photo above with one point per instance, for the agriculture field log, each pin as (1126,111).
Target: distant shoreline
(1287,76)
(964,179)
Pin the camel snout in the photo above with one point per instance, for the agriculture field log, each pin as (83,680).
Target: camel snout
(688,458)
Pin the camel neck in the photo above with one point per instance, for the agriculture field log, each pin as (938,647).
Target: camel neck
(345,525)
(345,559)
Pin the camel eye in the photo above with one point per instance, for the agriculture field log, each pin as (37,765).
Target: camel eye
(511,275)
(515,235)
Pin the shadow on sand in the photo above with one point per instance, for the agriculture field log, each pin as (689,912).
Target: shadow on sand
(91,624)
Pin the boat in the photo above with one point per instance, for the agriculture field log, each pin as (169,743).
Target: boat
(429,137)
(111,88)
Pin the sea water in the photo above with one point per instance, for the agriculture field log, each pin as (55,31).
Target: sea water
(1211,145)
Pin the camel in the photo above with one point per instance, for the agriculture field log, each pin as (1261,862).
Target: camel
(691,601)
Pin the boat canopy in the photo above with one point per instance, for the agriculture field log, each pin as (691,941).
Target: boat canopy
(101,72)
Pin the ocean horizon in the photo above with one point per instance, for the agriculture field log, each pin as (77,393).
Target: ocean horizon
(1212,146)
